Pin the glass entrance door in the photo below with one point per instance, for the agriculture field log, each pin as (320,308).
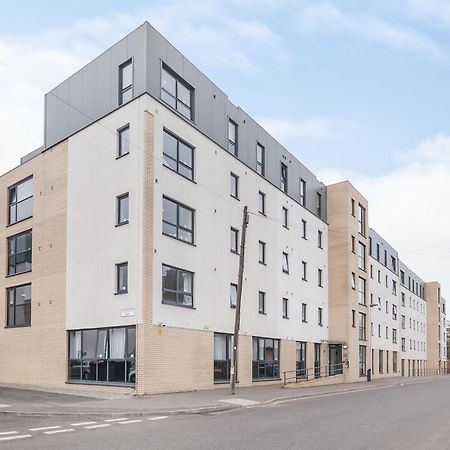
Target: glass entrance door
(335,357)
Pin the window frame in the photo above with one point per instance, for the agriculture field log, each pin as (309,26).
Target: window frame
(119,199)
(302,197)
(261,302)
(16,202)
(234,235)
(285,268)
(285,307)
(262,203)
(177,225)
(15,306)
(120,139)
(284,177)
(177,292)
(260,163)
(177,160)
(234,150)
(122,89)
(119,289)
(233,286)
(26,252)
(235,186)
(262,249)
(304,312)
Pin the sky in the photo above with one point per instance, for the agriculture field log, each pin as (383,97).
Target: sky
(356,90)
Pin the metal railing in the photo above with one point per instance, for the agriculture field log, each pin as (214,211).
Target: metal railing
(300,375)
(427,372)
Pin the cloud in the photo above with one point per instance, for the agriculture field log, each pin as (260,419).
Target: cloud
(325,18)
(409,206)
(435,13)
(32,64)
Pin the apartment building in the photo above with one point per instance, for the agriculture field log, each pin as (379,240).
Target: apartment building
(413,323)
(384,307)
(123,236)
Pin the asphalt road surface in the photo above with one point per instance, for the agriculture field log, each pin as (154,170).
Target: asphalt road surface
(414,416)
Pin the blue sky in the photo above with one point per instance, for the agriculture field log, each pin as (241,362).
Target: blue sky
(357,90)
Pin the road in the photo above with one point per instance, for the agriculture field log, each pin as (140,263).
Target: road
(414,416)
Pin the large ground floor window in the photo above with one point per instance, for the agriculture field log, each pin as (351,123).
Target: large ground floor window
(362,360)
(266,358)
(104,355)
(223,352)
(300,359)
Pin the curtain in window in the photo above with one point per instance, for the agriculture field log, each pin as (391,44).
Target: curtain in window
(75,344)
(117,343)
(220,347)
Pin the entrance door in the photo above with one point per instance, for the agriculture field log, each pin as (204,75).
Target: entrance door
(403,367)
(316,360)
(335,355)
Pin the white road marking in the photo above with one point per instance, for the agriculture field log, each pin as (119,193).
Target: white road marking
(65,430)
(44,428)
(4,433)
(102,425)
(158,418)
(240,401)
(81,424)
(116,420)
(20,436)
(130,421)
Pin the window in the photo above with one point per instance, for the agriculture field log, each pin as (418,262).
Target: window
(122,278)
(262,202)
(20,198)
(353,280)
(304,278)
(103,355)
(362,326)
(304,317)
(234,186)
(19,306)
(361,291)
(125,82)
(122,209)
(402,277)
(362,256)
(319,277)
(394,287)
(234,239)
(19,253)
(265,358)
(379,303)
(403,322)
(176,92)
(262,252)
(371,271)
(124,141)
(320,317)
(394,312)
(284,178)
(362,360)
(379,331)
(393,264)
(387,333)
(285,263)
(302,192)
(262,302)
(353,244)
(223,349)
(178,155)
(361,220)
(353,207)
(379,276)
(378,252)
(177,286)
(387,307)
(285,217)
(260,158)
(394,336)
(303,229)
(178,221)
(301,359)
(232,137)
(403,345)
(319,239)
(394,362)
(353,318)
(403,299)
(285,308)
(233,295)
(319,204)
(380,361)
(370,246)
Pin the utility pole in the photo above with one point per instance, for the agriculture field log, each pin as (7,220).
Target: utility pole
(237,317)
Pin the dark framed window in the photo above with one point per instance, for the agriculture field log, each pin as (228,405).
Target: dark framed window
(234,186)
(319,204)
(304,229)
(177,286)
(262,202)
(284,178)
(124,141)
(260,158)
(285,217)
(362,220)
(20,253)
(320,317)
(285,304)
(262,252)
(233,295)
(304,310)
(300,359)
(178,155)
(125,81)
(176,92)
(178,220)
(19,306)
(361,291)
(20,199)
(285,265)
(223,349)
(319,239)
(362,256)
(320,277)
(232,137)
(234,240)
(261,302)
(302,192)
(304,266)
(266,356)
(122,209)
(362,360)
(102,355)
(122,278)
(362,327)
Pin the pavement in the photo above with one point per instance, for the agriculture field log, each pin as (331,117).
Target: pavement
(31,402)
(413,415)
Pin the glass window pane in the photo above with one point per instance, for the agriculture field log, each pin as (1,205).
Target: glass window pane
(185,154)
(182,170)
(12,195)
(169,296)
(185,300)
(170,145)
(122,278)
(184,94)
(23,294)
(185,281)
(131,342)
(169,278)
(89,343)
(127,75)
(25,189)
(117,343)
(168,82)
(123,209)
(75,344)
(24,209)
(124,141)
(127,95)
(185,235)
(101,344)
(168,99)
(184,110)
(169,229)
(169,162)
(231,131)
(185,217)
(169,211)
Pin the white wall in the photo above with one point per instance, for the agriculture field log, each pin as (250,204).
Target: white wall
(94,243)
(210,259)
